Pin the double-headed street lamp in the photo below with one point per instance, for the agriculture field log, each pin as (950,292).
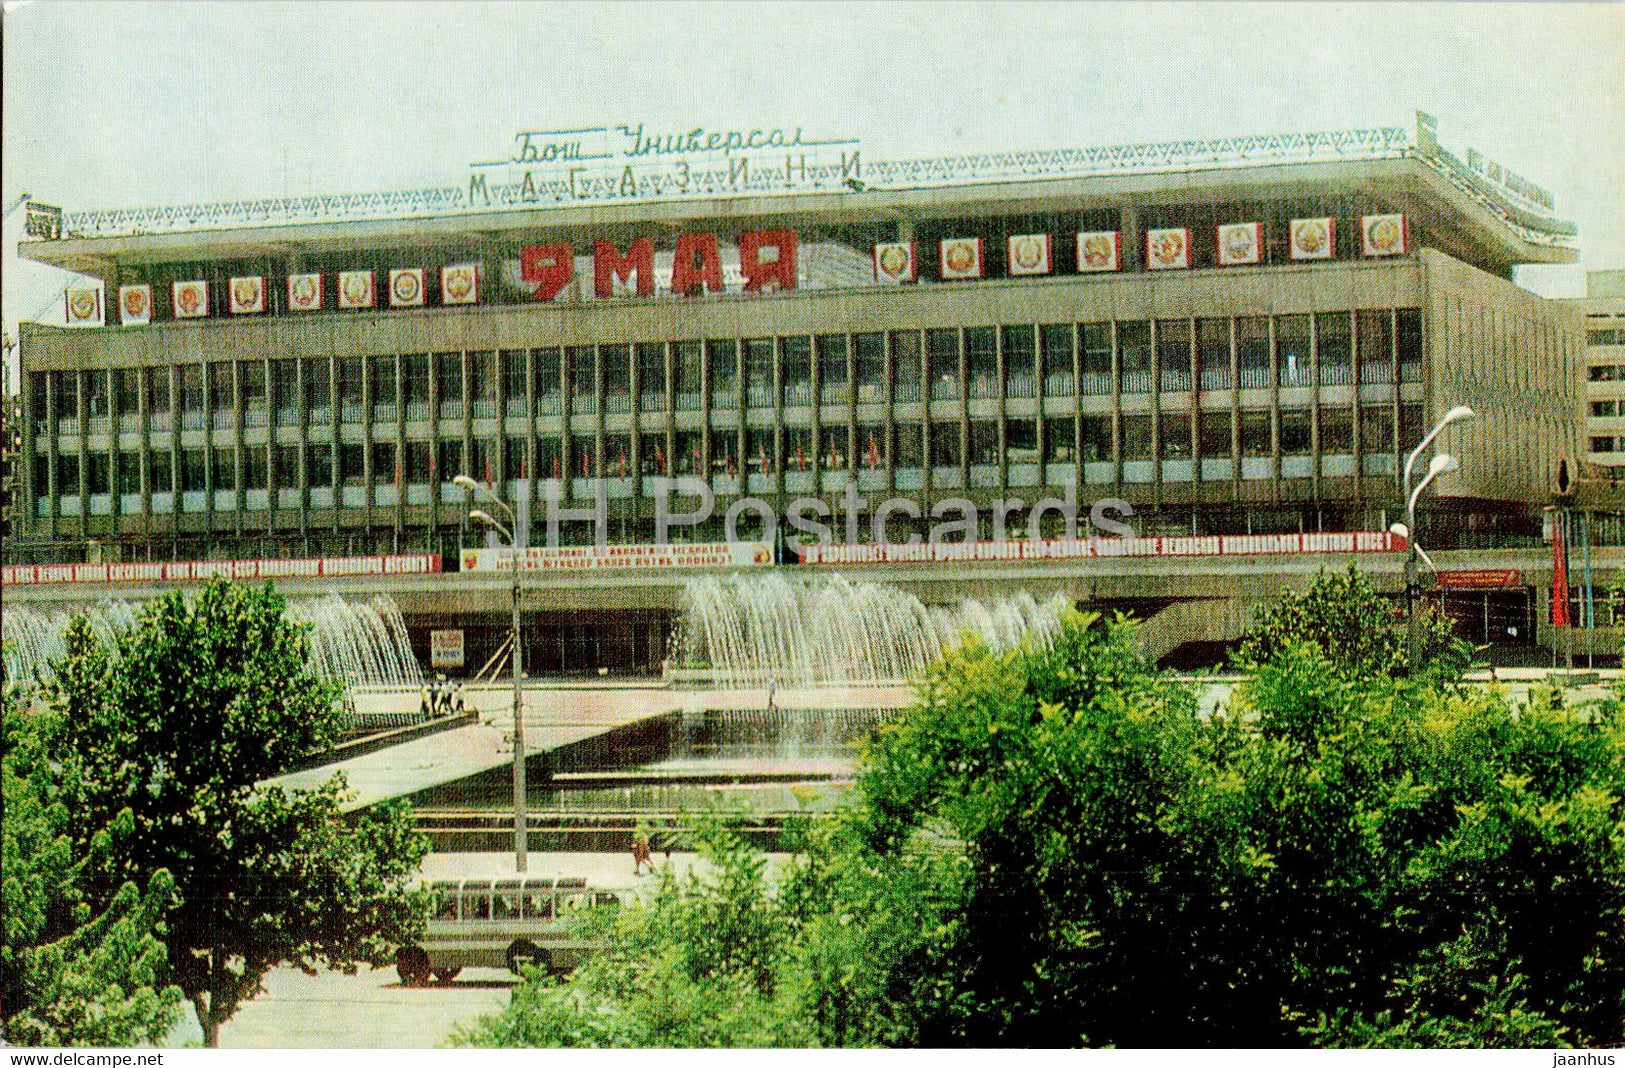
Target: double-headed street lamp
(1440,464)
(520,844)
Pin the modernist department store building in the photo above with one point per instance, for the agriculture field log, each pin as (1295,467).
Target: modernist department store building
(1242,335)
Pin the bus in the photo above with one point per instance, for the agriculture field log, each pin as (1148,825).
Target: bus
(517,922)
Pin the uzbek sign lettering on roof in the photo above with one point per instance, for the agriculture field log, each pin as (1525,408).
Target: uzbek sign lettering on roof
(633,161)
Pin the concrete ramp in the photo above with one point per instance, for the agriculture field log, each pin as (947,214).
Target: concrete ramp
(1219,619)
(556,718)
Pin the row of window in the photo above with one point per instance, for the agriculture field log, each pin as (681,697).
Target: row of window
(1606,337)
(1168,436)
(1130,356)
(1607,443)
(1607,409)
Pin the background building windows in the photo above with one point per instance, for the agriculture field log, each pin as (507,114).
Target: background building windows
(482,383)
(225,469)
(1215,435)
(1376,338)
(905,354)
(945,445)
(127,394)
(1174,354)
(1059,444)
(1134,357)
(836,446)
(319,465)
(759,372)
(981,361)
(1253,351)
(287,466)
(1020,359)
(515,381)
(1021,441)
(1255,434)
(162,475)
(796,367)
(384,471)
(1174,435)
(1408,342)
(448,374)
(1057,342)
(910,446)
(1292,350)
(256,459)
(1295,432)
(583,363)
(688,373)
(871,447)
(1097,438)
(1136,437)
(381,386)
(194,471)
(350,386)
(99,476)
(942,363)
(547,381)
(1335,349)
(1336,430)
(760,451)
(352,463)
(1096,351)
(798,448)
(318,390)
(1603,409)
(128,476)
(869,367)
(1213,352)
(723,357)
(834,387)
(984,442)
(618,455)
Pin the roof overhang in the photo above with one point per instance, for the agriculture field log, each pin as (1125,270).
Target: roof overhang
(1464,225)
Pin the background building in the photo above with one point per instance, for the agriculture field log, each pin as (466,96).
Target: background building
(1605,361)
(1243,336)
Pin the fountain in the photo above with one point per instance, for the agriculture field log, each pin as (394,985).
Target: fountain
(360,643)
(755,630)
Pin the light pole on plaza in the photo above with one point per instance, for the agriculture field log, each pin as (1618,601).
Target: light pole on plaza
(520,844)
(1440,464)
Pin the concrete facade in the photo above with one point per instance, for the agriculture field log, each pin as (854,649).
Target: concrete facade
(1276,397)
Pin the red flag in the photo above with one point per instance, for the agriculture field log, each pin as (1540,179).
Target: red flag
(761,458)
(488,481)
(586,461)
(873,458)
(699,461)
(558,472)
(801,460)
(660,460)
(1560,571)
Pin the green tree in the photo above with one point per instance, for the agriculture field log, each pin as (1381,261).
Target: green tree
(1357,629)
(70,973)
(1302,867)
(201,700)
(1053,847)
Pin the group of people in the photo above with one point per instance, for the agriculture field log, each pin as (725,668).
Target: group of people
(442,698)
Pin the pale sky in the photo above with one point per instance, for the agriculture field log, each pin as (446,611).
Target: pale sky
(142,104)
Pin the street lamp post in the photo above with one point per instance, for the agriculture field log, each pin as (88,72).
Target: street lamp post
(521,848)
(1436,467)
